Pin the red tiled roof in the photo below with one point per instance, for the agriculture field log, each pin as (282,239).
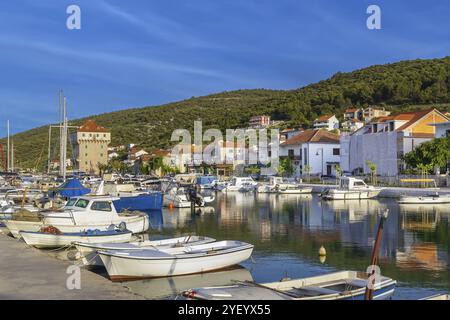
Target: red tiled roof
(351,110)
(316,135)
(414,117)
(91,126)
(324,117)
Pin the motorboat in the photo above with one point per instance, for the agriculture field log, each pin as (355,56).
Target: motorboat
(181,197)
(237,183)
(80,214)
(23,195)
(351,189)
(425,199)
(124,265)
(89,256)
(279,185)
(343,285)
(206,182)
(44,239)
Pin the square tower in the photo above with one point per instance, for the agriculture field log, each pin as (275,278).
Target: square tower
(90,147)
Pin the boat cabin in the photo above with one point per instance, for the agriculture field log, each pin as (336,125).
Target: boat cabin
(351,183)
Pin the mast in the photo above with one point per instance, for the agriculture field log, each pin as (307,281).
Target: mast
(8,148)
(12,155)
(64,143)
(61,148)
(49,148)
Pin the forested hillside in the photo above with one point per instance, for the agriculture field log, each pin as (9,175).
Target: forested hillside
(399,86)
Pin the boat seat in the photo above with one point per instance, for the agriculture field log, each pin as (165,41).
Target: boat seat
(312,291)
(357,283)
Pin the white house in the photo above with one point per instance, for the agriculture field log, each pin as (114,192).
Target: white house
(328,122)
(386,139)
(442,129)
(316,148)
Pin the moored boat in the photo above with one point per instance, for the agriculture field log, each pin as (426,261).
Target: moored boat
(425,199)
(79,214)
(55,240)
(128,265)
(351,189)
(343,285)
(89,256)
(442,297)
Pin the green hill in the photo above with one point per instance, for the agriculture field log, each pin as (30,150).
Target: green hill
(398,86)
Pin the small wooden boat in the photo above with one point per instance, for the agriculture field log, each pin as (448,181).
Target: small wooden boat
(56,240)
(89,256)
(344,285)
(134,264)
(442,297)
(426,199)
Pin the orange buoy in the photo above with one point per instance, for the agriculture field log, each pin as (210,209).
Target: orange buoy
(170,206)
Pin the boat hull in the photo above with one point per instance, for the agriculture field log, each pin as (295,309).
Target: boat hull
(424,200)
(142,202)
(351,195)
(295,191)
(45,240)
(122,268)
(89,256)
(134,224)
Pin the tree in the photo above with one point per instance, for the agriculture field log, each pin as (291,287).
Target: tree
(373,171)
(429,155)
(307,170)
(286,167)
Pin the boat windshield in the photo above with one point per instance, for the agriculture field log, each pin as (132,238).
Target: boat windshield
(82,203)
(71,202)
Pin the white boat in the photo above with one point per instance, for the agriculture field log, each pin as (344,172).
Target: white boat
(19,195)
(237,183)
(278,185)
(343,285)
(128,265)
(351,189)
(442,297)
(426,199)
(51,240)
(80,214)
(89,256)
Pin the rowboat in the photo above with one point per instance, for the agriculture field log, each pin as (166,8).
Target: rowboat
(351,189)
(442,297)
(343,285)
(134,264)
(426,199)
(50,240)
(79,214)
(89,256)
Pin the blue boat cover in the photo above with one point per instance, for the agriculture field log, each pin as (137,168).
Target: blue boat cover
(206,180)
(71,188)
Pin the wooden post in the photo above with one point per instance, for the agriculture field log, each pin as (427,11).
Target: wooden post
(374,260)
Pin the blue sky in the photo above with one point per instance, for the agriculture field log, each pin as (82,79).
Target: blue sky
(145,52)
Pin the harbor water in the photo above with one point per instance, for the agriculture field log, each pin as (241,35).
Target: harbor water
(288,231)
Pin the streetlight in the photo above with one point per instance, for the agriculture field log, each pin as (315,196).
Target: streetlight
(317,153)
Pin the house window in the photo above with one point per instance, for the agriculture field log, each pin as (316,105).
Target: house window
(391,126)
(104,135)
(85,146)
(85,154)
(336,151)
(291,153)
(305,155)
(101,154)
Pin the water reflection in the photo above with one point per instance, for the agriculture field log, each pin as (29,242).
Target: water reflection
(169,287)
(414,249)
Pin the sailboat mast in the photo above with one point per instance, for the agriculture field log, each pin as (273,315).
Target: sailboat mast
(8,148)
(12,155)
(61,148)
(63,164)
